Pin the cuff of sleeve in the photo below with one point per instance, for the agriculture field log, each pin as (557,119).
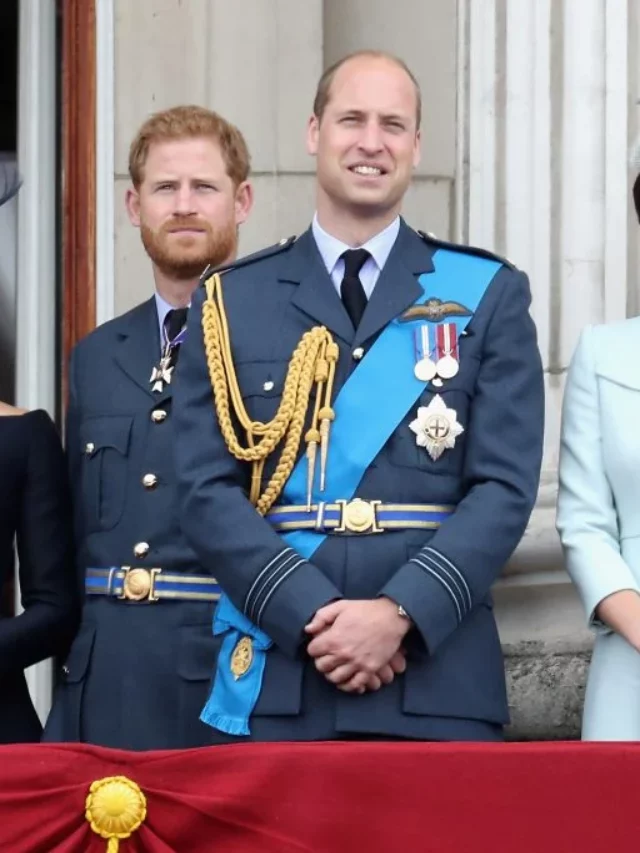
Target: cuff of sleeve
(431,606)
(597,625)
(594,584)
(289,604)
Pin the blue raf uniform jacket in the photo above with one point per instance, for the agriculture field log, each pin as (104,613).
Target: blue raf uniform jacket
(454,686)
(138,672)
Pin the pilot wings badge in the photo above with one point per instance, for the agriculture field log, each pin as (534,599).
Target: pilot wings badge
(436,427)
(435,311)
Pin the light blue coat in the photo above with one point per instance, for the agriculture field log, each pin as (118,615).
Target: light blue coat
(599,511)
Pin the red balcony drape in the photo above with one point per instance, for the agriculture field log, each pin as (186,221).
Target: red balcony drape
(332,798)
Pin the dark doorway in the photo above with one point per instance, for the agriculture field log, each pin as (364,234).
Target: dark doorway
(8,75)
(8,214)
(8,179)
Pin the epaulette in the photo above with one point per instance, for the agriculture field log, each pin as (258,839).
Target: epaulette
(432,240)
(281,246)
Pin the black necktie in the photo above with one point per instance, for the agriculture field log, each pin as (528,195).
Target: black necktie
(174,323)
(351,289)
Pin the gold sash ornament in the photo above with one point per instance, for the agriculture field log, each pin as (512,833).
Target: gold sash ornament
(313,363)
(115,809)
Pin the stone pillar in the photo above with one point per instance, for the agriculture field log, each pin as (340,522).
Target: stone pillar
(548,188)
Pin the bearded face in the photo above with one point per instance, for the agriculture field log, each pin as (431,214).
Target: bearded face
(182,247)
(187,207)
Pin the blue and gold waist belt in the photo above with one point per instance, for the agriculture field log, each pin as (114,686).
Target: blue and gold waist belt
(136,584)
(357,517)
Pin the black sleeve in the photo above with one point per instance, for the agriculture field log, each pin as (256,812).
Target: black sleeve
(45,550)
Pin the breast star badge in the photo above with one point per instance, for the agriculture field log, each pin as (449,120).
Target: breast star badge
(436,427)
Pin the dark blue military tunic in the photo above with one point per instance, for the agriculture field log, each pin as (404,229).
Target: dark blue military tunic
(138,671)
(454,686)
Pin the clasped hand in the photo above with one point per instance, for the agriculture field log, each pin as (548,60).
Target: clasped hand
(357,645)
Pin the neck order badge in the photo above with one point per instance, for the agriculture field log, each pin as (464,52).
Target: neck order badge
(387,372)
(174,331)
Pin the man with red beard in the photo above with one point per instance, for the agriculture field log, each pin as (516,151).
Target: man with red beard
(138,671)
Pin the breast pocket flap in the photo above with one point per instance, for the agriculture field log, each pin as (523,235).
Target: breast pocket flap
(106,432)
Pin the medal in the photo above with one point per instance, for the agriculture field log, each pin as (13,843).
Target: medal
(436,427)
(425,367)
(447,365)
(425,370)
(162,373)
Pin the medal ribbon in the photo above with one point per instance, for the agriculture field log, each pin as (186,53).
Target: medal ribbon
(170,345)
(447,340)
(424,342)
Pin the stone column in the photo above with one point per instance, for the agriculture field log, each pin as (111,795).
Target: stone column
(547,140)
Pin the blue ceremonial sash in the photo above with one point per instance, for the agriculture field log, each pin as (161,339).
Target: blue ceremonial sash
(385,373)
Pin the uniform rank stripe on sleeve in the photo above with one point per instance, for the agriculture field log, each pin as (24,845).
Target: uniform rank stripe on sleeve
(454,568)
(430,571)
(268,582)
(269,579)
(443,570)
(254,585)
(282,578)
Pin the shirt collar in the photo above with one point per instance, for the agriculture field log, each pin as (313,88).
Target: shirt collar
(163,308)
(379,246)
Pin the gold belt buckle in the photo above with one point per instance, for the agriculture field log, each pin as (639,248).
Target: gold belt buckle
(358,516)
(139,584)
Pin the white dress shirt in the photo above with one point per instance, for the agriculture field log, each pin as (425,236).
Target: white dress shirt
(379,247)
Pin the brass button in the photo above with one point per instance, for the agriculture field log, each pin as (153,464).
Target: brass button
(149,481)
(358,353)
(158,415)
(141,549)
(89,448)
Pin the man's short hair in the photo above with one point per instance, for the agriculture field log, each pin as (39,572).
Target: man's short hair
(189,122)
(323,92)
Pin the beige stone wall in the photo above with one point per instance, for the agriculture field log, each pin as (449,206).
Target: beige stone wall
(257,62)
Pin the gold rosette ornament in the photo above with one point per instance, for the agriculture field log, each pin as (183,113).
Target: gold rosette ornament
(115,808)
